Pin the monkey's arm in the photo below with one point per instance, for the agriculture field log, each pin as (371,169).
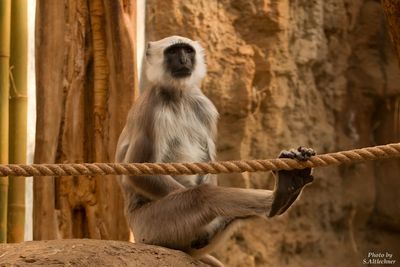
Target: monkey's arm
(141,150)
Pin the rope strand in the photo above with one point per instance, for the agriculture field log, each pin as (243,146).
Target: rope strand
(237,166)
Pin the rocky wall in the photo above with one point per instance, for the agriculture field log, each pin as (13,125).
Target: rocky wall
(289,73)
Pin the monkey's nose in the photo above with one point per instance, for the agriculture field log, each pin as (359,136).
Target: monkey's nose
(183,60)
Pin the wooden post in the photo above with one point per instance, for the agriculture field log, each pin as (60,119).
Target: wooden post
(86,76)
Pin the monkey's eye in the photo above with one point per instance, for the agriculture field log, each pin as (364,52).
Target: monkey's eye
(172,50)
(189,49)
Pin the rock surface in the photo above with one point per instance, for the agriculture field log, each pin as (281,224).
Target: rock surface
(89,252)
(313,73)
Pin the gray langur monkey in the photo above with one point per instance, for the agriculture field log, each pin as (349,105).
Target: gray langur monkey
(173,121)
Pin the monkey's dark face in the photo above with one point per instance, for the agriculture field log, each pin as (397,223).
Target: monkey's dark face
(180,60)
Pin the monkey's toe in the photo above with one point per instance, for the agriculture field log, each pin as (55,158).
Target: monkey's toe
(301,153)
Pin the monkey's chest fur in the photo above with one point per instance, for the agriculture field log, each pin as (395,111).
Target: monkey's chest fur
(184,129)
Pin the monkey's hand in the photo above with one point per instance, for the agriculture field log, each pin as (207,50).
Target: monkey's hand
(288,184)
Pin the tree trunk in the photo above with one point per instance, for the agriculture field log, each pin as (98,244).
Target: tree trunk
(18,118)
(5,18)
(391,9)
(86,76)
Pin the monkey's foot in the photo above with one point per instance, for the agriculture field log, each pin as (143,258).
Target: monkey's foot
(288,184)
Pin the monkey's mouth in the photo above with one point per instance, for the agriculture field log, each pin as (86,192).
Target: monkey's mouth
(182,73)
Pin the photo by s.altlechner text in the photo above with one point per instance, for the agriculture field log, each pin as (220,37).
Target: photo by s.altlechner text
(379,258)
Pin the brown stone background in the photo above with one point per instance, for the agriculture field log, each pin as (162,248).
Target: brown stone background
(289,73)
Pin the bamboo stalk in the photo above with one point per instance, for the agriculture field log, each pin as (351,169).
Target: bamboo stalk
(18,118)
(5,16)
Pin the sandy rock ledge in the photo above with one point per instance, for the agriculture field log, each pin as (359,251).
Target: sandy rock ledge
(89,252)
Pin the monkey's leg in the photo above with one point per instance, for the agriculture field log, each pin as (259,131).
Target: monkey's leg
(178,219)
(288,184)
(217,232)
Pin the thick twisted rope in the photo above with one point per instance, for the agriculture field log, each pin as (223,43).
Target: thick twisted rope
(75,169)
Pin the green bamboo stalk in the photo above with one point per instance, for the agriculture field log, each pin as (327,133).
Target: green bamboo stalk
(18,118)
(5,17)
